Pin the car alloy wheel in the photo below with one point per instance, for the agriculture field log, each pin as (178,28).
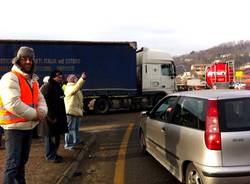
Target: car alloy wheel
(192,175)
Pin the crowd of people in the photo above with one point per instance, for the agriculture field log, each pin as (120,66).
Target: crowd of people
(51,111)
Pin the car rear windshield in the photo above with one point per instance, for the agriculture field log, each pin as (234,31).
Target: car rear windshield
(234,114)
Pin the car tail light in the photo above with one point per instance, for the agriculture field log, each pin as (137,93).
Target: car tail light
(212,132)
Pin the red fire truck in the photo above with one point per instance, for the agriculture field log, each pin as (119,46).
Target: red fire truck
(220,74)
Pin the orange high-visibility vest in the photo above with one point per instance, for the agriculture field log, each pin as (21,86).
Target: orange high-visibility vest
(28,96)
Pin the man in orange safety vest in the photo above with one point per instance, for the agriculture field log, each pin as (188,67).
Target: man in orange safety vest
(22,107)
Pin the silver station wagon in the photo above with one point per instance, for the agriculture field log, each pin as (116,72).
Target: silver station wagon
(202,136)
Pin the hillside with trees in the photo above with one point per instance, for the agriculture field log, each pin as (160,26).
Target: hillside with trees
(237,51)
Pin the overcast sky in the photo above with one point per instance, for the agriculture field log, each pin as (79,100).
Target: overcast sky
(176,26)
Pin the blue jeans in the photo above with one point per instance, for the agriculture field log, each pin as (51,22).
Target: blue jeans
(52,144)
(72,137)
(17,144)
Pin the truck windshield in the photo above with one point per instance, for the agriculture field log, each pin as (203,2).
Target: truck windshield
(167,70)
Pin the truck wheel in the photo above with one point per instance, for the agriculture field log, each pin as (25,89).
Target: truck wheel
(101,106)
(134,106)
(192,175)
(157,98)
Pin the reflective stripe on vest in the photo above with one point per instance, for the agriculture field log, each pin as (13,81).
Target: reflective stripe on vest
(28,95)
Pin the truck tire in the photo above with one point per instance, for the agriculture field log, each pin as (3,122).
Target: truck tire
(102,106)
(134,106)
(157,98)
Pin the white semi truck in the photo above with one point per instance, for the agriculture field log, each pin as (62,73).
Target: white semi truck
(156,70)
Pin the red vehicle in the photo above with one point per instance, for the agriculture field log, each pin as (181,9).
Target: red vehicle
(220,74)
(246,77)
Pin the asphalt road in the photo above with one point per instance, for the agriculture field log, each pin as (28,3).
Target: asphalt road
(115,157)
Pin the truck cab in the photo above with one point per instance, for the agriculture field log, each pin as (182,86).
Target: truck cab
(156,71)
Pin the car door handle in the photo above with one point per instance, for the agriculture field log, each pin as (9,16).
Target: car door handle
(163,130)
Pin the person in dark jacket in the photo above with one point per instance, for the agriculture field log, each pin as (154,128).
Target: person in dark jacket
(56,121)
(1,138)
(43,126)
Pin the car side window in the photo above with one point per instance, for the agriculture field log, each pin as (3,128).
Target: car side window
(164,110)
(190,112)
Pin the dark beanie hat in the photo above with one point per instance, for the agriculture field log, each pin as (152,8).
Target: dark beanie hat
(24,52)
